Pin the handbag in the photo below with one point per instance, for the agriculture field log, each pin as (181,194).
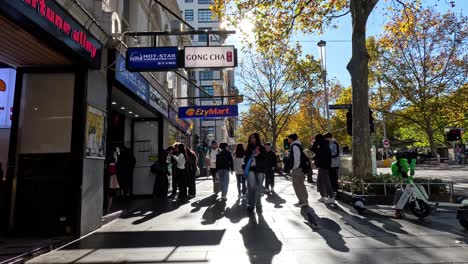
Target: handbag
(247,166)
(197,172)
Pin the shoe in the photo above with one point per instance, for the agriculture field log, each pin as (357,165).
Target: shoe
(191,196)
(321,199)
(272,190)
(302,205)
(330,201)
(224,198)
(298,204)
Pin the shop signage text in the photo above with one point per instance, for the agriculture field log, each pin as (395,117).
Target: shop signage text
(152,59)
(210,57)
(135,82)
(157,101)
(208,111)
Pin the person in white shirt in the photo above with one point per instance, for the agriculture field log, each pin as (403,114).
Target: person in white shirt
(181,159)
(210,159)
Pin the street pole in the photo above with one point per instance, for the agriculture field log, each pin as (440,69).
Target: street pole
(321,44)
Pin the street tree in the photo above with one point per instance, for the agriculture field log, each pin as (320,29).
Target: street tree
(274,86)
(422,62)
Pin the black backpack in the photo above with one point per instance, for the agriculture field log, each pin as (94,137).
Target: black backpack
(305,164)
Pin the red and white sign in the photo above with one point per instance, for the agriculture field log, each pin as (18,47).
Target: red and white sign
(386,143)
(7,93)
(210,57)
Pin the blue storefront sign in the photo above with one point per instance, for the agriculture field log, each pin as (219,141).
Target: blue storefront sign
(216,111)
(134,81)
(152,59)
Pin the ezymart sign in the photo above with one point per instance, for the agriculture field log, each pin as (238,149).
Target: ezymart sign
(210,57)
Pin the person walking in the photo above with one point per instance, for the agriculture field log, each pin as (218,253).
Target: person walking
(238,157)
(270,168)
(191,167)
(297,174)
(172,167)
(224,166)
(181,172)
(255,166)
(161,172)
(210,161)
(322,160)
(335,162)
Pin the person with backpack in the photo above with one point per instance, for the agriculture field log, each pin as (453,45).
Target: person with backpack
(322,160)
(335,162)
(254,169)
(270,169)
(238,158)
(298,164)
(224,165)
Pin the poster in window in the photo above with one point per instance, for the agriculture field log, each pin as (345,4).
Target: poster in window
(95,133)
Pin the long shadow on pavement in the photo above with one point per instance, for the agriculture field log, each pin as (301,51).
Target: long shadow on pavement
(214,212)
(156,208)
(325,227)
(261,242)
(237,211)
(205,202)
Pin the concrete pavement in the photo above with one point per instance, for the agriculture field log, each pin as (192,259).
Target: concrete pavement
(207,230)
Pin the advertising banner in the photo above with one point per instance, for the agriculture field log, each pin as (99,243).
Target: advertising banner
(95,133)
(210,57)
(215,111)
(134,81)
(152,59)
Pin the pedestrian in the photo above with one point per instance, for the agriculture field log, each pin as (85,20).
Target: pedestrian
(270,168)
(210,161)
(335,162)
(125,168)
(161,171)
(172,165)
(238,158)
(113,183)
(310,155)
(181,172)
(322,160)
(224,166)
(297,174)
(191,167)
(254,168)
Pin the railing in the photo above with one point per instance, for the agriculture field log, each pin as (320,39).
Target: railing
(363,185)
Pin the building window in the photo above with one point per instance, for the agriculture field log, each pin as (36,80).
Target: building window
(188,1)
(209,89)
(206,75)
(203,37)
(208,2)
(206,16)
(189,15)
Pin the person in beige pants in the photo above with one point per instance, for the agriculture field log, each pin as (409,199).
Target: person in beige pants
(297,175)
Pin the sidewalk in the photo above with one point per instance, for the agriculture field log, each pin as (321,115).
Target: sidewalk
(207,230)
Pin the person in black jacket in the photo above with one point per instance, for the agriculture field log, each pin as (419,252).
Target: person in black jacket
(224,166)
(161,170)
(270,169)
(322,161)
(256,162)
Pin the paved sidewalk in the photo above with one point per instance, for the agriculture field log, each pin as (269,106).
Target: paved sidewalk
(207,230)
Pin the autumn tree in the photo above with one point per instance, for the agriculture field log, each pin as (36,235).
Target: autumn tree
(422,62)
(274,86)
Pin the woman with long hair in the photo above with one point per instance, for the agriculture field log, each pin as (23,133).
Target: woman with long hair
(255,163)
(322,161)
(181,172)
(238,155)
(191,168)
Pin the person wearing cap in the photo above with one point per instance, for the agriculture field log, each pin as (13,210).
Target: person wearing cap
(210,159)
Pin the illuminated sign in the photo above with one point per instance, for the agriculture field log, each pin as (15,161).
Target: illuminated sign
(134,81)
(7,93)
(215,111)
(47,15)
(152,59)
(210,57)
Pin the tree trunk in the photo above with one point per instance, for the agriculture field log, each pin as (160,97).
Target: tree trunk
(358,68)
(430,136)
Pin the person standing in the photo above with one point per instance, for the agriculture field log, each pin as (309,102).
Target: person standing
(310,155)
(113,183)
(210,160)
(335,162)
(191,167)
(224,165)
(297,174)
(181,172)
(239,155)
(322,160)
(172,167)
(255,165)
(161,172)
(270,168)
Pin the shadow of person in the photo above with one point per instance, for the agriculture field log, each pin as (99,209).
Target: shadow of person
(275,199)
(261,242)
(205,202)
(156,208)
(325,227)
(237,211)
(214,212)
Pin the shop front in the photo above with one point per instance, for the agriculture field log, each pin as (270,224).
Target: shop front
(136,129)
(46,60)
(179,130)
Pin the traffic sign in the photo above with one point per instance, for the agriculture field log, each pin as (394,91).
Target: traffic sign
(386,143)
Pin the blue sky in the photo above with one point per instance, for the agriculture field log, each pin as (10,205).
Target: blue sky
(338,48)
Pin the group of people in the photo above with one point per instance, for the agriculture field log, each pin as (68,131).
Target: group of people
(254,166)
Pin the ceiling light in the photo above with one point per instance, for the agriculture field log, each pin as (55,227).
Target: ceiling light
(114,103)
(136,115)
(130,112)
(123,108)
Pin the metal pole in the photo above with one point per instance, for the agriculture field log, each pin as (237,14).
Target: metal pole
(324,76)
(383,114)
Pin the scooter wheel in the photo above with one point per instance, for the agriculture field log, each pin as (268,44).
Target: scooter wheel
(464,223)
(423,211)
(359,205)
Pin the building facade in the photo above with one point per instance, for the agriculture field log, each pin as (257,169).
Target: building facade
(69,108)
